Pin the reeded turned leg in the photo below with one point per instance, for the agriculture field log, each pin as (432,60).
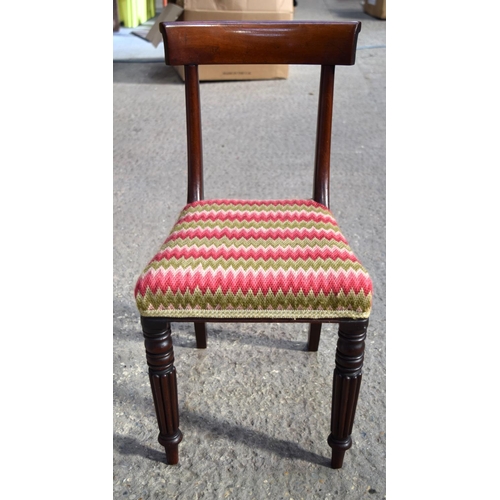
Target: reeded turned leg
(201,335)
(160,359)
(314,335)
(346,384)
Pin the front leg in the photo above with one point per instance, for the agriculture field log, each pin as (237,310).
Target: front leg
(346,384)
(160,359)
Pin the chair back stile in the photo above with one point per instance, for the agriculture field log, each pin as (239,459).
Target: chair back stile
(323,137)
(194,136)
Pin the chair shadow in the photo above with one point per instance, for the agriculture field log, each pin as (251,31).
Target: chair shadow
(254,438)
(147,72)
(127,445)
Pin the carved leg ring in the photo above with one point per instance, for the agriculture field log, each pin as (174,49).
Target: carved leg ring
(346,384)
(160,358)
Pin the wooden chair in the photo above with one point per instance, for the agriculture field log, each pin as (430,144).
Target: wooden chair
(256,261)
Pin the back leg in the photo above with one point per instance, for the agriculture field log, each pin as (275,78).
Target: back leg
(201,335)
(314,335)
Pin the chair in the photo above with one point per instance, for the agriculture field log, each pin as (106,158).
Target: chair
(231,260)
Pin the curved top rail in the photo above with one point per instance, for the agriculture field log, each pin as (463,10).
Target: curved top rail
(260,42)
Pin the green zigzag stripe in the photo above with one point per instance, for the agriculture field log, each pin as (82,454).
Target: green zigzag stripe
(252,224)
(257,242)
(358,303)
(306,265)
(245,207)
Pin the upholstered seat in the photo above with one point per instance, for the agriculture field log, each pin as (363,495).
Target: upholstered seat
(255,259)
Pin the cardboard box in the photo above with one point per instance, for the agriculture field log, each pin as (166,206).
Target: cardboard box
(237,5)
(375,8)
(171,12)
(230,10)
(221,72)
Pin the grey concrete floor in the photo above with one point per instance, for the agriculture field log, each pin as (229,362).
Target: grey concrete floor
(254,406)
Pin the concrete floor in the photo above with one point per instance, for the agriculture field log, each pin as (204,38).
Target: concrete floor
(254,406)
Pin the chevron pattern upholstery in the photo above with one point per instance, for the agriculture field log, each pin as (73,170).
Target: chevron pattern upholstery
(255,259)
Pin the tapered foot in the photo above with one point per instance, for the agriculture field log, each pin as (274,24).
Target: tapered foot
(338,451)
(171,444)
(162,375)
(346,385)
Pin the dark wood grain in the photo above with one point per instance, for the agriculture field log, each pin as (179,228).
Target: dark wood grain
(263,42)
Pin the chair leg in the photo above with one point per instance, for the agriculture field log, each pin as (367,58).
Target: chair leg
(346,384)
(160,359)
(201,335)
(314,335)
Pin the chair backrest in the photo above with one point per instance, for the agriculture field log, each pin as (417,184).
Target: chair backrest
(260,42)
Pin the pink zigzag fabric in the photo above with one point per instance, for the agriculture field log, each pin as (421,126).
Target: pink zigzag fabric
(255,259)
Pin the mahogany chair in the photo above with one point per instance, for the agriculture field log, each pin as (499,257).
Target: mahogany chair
(250,260)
